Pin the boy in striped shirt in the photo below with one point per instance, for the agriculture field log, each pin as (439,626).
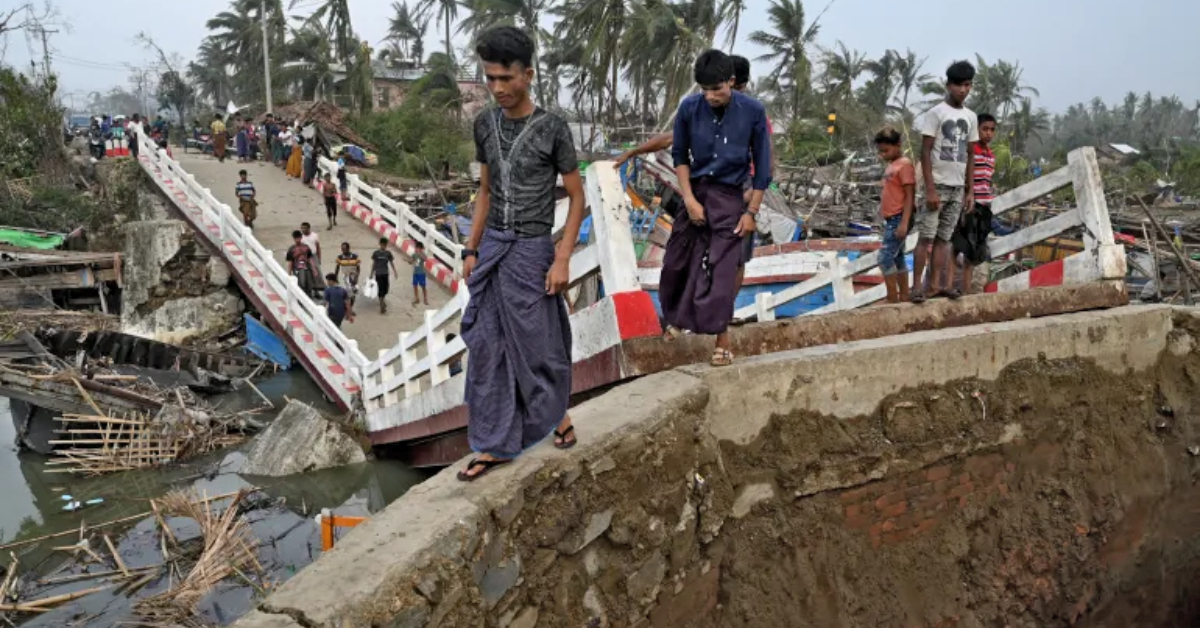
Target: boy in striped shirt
(247,201)
(971,237)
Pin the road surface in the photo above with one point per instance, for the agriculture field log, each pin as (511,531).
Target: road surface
(285,203)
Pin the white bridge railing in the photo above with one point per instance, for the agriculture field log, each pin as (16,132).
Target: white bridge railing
(1101,258)
(424,355)
(398,215)
(334,357)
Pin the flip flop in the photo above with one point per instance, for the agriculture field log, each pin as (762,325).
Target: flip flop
(918,297)
(488,465)
(952,293)
(671,333)
(721,357)
(565,444)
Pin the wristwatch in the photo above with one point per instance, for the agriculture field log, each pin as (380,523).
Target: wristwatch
(470,253)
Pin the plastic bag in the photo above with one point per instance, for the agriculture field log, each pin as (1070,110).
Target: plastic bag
(370,290)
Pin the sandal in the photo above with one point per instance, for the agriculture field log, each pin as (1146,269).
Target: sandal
(950,293)
(488,465)
(671,333)
(721,357)
(562,436)
(918,297)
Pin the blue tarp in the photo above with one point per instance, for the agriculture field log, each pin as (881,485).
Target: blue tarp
(266,345)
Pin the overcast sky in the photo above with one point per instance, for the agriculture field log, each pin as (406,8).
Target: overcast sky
(1071,50)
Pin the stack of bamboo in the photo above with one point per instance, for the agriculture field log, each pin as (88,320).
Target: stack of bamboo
(98,444)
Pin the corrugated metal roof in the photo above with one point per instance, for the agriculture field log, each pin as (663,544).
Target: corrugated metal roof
(1125,149)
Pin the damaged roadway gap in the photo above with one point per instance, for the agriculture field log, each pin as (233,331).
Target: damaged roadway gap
(424,559)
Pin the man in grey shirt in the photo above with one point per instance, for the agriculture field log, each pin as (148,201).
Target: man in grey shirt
(516,328)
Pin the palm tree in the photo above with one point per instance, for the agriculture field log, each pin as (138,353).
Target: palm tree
(237,33)
(909,76)
(660,44)
(210,72)
(336,15)
(525,14)
(731,13)
(879,89)
(405,29)
(310,60)
(1008,91)
(447,12)
(787,48)
(598,25)
(1027,123)
(842,68)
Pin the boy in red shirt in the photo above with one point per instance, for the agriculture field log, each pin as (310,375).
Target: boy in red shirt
(896,210)
(970,239)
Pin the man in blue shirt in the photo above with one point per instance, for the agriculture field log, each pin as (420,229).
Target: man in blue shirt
(719,133)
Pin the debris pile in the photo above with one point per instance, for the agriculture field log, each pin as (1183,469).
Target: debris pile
(329,119)
(190,568)
(98,444)
(228,550)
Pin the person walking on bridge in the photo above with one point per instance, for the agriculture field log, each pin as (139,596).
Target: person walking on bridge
(516,326)
(719,134)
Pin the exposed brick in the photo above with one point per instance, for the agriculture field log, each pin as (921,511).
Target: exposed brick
(895,510)
(1010,467)
(964,478)
(934,474)
(907,520)
(876,529)
(898,536)
(941,485)
(962,489)
(853,510)
(858,523)
(913,491)
(855,495)
(926,526)
(884,501)
(888,525)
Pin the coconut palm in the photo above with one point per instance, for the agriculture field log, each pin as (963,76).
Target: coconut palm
(210,72)
(787,47)
(446,11)
(406,30)
(310,60)
(336,16)
(878,90)
(1027,123)
(843,66)
(525,14)
(237,33)
(599,25)
(1005,81)
(731,13)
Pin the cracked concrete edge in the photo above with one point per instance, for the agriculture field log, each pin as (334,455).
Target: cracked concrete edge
(370,575)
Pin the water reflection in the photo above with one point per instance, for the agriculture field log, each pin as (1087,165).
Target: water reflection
(32,499)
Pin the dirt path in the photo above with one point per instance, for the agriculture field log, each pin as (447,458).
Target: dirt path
(283,204)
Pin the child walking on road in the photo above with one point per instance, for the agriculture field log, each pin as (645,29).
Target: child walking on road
(381,260)
(330,194)
(247,203)
(419,258)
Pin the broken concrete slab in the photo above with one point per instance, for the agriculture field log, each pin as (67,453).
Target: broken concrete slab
(301,439)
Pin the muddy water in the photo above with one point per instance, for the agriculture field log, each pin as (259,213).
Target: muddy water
(31,505)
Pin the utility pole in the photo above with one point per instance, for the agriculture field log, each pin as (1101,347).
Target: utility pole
(266,54)
(45,49)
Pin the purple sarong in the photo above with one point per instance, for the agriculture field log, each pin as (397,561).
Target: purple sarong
(700,265)
(518,346)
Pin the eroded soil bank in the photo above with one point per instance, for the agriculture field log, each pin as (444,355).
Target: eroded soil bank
(1059,494)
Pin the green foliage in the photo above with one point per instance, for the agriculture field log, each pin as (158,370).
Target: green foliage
(1012,171)
(1185,172)
(30,125)
(416,132)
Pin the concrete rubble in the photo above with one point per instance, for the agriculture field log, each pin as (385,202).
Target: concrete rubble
(301,439)
(174,290)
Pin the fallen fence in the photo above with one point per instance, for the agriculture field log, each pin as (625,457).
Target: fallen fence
(1101,258)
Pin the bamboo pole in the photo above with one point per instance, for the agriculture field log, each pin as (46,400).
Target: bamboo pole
(116,556)
(9,577)
(66,597)
(86,397)
(97,574)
